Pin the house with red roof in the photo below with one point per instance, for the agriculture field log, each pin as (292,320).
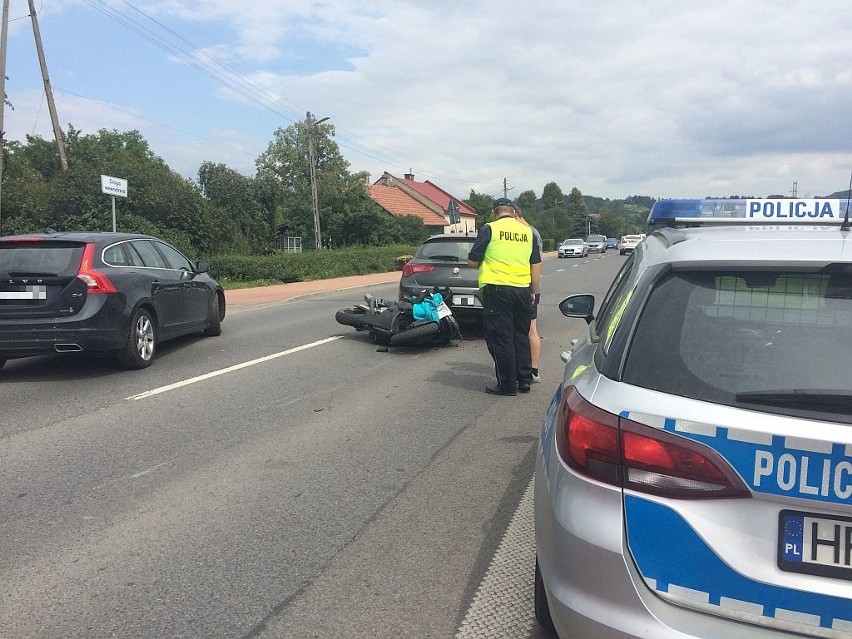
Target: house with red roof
(426,200)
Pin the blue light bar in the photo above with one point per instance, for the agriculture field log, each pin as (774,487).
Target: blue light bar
(711,212)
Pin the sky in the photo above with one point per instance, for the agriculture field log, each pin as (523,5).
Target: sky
(614,97)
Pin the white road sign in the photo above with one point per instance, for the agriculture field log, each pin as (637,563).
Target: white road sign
(114,186)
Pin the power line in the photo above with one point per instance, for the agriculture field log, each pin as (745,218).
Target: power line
(162,124)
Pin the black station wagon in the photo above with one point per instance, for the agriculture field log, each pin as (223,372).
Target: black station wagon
(109,293)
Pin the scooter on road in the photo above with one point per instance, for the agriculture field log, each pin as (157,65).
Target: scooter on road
(424,320)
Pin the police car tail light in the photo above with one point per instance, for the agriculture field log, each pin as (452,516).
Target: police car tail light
(587,439)
(631,455)
(96,282)
(409,269)
(661,463)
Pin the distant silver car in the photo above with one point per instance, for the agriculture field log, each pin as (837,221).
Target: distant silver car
(573,247)
(596,243)
(694,470)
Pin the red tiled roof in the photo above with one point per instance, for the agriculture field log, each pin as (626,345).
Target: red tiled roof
(438,195)
(398,203)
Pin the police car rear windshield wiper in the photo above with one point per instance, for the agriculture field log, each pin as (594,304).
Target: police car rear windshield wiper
(449,258)
(797,397)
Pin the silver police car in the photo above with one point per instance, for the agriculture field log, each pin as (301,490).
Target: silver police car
(694,471)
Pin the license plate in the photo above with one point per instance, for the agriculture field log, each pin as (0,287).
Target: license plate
(815,544)
(28,293)
(465,300)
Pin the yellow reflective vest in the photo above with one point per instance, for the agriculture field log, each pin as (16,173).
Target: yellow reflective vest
(507,256)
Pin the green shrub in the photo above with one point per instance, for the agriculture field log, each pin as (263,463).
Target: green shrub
(309,265)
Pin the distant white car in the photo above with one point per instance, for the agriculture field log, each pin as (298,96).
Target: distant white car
(628,244)
(573,247)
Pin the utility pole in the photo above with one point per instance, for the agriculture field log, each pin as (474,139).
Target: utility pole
(309,123)
(57,132)
(4,36)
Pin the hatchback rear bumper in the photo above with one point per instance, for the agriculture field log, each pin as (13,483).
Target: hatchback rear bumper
(26,341)
(98,327)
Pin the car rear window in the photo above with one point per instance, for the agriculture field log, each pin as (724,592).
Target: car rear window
(717,336)
(53,259)
(446,249)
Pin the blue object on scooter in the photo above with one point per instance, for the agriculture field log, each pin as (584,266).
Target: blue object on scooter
(428,308)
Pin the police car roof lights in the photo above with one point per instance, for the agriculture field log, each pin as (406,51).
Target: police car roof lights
(714,212)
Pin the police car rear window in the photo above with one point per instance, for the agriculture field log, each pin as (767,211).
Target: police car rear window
(777,342)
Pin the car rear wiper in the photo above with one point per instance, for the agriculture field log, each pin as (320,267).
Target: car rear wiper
(797,397)
(449,258)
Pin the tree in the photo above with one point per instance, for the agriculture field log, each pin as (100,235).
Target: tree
(37,194)
(340,193)
(577,212)
(482,204)
(612,219)
(237,204)
(526,203)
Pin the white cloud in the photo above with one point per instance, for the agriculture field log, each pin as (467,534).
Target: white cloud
(616,98)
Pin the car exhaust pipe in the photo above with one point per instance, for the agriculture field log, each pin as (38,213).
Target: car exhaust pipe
(67,348)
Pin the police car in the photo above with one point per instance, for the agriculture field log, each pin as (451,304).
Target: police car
(694,471)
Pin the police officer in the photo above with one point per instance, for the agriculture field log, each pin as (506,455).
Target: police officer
(509,264)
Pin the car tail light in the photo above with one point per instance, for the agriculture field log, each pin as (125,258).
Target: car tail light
(96,282)
(624,453)
(409,269)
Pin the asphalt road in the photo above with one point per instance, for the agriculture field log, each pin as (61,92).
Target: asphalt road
(281,480)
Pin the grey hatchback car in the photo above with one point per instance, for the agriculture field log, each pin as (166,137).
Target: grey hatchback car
(694,471)
(442,261)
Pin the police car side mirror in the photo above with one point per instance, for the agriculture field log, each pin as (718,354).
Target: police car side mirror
(579,306)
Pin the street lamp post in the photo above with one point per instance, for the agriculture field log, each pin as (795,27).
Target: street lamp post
(310,122)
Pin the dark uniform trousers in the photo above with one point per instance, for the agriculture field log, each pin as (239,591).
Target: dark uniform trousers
(507,312)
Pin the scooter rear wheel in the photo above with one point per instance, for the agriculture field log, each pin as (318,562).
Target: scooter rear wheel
(417,333)
(351,317)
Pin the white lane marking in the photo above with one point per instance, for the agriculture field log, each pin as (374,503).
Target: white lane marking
(503,605)
(230,369)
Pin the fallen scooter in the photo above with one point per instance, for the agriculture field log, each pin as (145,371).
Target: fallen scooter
(424,320)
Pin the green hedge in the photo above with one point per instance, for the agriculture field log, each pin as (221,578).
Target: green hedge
(309,265)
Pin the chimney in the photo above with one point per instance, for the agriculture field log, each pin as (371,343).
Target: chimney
(409,175)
